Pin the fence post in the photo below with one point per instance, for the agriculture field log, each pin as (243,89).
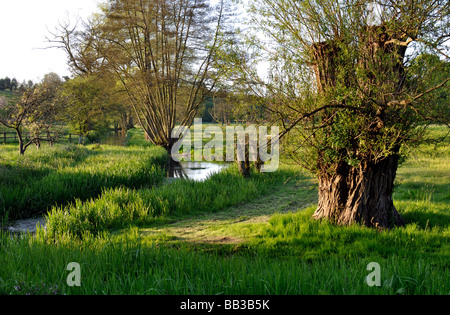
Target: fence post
(4,137)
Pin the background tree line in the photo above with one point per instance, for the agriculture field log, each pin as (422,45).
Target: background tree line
(13,85)
(88,106)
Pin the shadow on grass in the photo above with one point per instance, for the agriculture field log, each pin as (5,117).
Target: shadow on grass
(424,204)
(236,224)
(427,220)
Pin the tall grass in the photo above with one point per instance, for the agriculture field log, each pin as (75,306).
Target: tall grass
(118,207)
(296,234)
(32,184)
(129,265)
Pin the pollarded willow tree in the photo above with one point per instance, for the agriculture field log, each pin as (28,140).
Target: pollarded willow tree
(340,85)
(162,51)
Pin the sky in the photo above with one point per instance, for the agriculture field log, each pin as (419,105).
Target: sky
(24,26)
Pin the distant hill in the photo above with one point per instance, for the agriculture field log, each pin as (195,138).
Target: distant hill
(10,96)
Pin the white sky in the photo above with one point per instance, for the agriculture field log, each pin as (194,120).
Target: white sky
(24,25)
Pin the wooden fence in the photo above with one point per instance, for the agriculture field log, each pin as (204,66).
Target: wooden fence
(11,137)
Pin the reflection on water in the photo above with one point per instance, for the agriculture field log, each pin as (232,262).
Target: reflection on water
(197,171)
(114,138)
(25,226)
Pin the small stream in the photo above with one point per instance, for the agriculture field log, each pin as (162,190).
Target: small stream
(24,226)
(197,171)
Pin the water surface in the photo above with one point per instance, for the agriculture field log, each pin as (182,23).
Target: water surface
(198,171)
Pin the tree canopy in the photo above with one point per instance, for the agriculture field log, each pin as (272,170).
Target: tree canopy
(37,109)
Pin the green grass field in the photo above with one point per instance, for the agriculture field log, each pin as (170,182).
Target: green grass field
(58,175)
(232,236)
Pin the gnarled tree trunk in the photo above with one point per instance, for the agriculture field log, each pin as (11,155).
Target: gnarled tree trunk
(361,194)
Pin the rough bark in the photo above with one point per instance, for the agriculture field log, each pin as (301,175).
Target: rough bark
(325,64)
(360,194)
